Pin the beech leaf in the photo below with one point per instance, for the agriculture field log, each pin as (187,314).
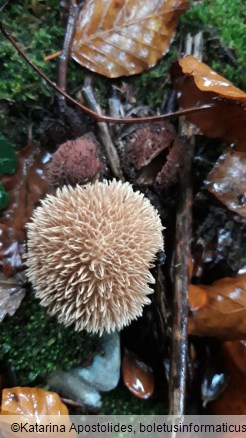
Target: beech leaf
(25,188)
(34,406)
(227,181)
(198,84)
(120,38)
(224,315)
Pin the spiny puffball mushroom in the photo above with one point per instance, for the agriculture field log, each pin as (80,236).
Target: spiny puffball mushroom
(90,249)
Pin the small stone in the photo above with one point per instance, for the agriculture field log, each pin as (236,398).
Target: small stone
(104,372)
(69,386)
(137,376)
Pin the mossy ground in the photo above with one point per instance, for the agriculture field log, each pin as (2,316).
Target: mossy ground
(33,342)
(36,344)
(121,401)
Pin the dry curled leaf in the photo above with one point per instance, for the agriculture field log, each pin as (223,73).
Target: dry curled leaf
(25,188)
(34,406)
(120,38)
(12,293)
(227,181)
(224,315)
(198,84)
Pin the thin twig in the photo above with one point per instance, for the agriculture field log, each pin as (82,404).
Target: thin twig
(2,7)
(93,114)
(109,148)
(62,73)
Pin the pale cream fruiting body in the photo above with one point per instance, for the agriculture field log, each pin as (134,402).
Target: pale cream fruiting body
(90,249)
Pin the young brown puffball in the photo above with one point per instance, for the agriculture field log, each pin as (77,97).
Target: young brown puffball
(90,249)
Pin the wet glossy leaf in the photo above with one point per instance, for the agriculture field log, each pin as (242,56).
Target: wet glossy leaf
(31,401)
(25,188)
(137,376)
(233,399)
(227,181)
(120,38)
(224,315)
(198,297)
(34,406)
(198,84)
(12,293)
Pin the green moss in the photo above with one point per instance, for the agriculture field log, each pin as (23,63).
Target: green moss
(38,36)
(227,21)
(154,80)
(122,402)
(36,344)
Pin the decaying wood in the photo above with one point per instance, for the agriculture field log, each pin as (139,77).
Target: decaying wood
(177,382)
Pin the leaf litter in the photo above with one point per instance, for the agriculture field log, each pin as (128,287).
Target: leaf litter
(25,188)
(223,313)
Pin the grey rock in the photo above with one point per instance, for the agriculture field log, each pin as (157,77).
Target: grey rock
(70,386)
(104,372)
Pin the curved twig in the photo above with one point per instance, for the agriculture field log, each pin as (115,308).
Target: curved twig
(94,115)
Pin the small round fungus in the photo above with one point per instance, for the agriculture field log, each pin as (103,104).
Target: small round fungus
(90,249)
(76,162)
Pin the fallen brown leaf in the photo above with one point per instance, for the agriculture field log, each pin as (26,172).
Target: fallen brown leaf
(224,315)
(25,188)
(33,406)
(31,401)
(227,181)
(198,84)
(120,38)
(198,298)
